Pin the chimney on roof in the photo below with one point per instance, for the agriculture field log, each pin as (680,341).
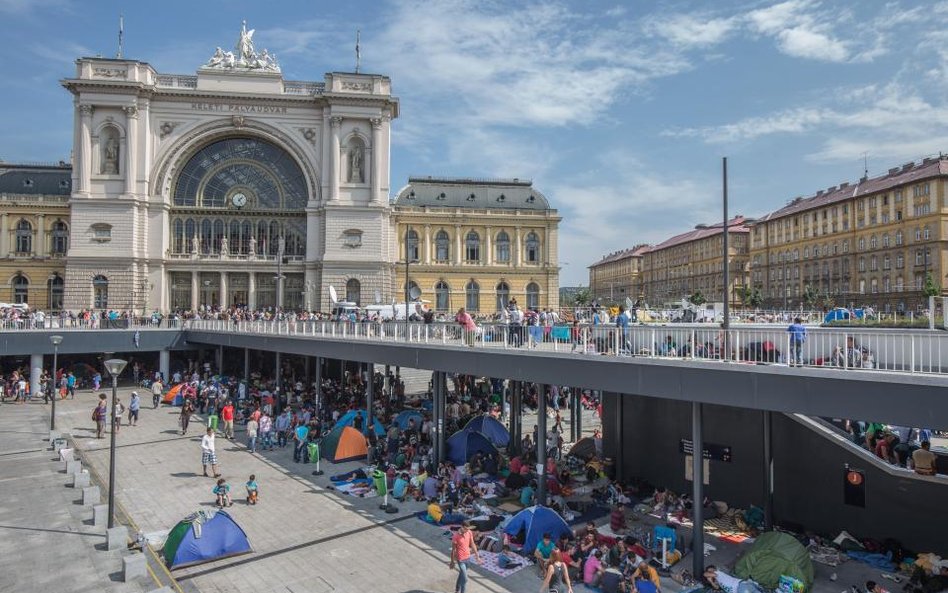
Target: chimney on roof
(908,166)
(819,193)
(831,189)
(893,170)
(844,185)
(700,227)
(928,160)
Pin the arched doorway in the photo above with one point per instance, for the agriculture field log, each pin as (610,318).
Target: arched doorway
(353,291)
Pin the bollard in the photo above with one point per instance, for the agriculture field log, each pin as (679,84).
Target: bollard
(100,515)
(133,567)
(91,496)
(53,435)
(117,538)
(73,467)
(80,480)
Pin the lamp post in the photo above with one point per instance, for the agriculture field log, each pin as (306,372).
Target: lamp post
(281,249)
(115,366)
(56,340)
(407,261)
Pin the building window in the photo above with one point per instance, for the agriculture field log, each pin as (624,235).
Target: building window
(885,240)
(873,242)
(54,288)
(413,246)
(899,283)
(21,289)
(899,261)
(24,238)
(533,296)
(442,246)
(503,295)
(862,244)
(353,291)
(442,296)
(926,233)
(886,284)
(59,238)
(918,257)
(472,247)
(918,234)
(100,292)
(898,237)
(102,232)
(886,262)
(873,263)
(862,264)
(472,294)
(533,248)
(503,247)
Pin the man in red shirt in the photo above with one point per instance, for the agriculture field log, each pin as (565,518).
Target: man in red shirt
(462,546)
(227,417)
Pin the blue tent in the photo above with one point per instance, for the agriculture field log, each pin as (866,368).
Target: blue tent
(491,428)
(842,314)
(348,419)
(533,522)
(406,415)
(463,444)
(203,537)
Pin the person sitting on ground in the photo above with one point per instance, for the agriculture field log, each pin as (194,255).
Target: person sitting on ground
(874,587)
(222,490)
(646,573)
(886,444)
(506,560)
(593,569)
(253,490)
(924,460)
(400,487)
(617,519)
(526,495)
(542,552)
(572,559)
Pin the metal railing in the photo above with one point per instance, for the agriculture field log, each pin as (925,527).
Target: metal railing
(67,324)
(842,348)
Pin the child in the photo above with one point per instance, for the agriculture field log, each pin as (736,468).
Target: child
(505,560)
(222,490)
(252,490)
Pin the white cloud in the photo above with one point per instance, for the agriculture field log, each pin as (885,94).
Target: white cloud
(686,30)
(21,7)
(802,42)
(788,121)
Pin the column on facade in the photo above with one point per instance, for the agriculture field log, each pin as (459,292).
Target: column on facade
(85,148)
(40,235)
(517,257)
(427,254)
(4,234)
(36,371)
(334,166)
(164,364)
(488,257)
(225,300)
(131,147)
(195,289)
(376,159)
(251,291)
(457,244)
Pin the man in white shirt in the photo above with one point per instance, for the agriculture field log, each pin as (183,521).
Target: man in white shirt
(208,453)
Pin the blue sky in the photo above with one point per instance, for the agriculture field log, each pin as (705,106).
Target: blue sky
(619,112)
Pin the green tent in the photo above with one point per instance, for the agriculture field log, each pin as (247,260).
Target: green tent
(774,554)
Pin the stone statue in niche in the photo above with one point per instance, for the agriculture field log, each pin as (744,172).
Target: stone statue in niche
(224,246)
(356,161)
(110,155)
(253,246)
(195,245)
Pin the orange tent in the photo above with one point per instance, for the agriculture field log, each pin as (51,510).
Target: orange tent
(344,444)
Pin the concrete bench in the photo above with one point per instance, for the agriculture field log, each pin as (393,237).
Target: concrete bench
(133,567)
(91,495)
(80,480)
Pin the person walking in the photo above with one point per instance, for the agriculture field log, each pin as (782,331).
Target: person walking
(462,547)
(117,415)
(134,404)
(227,417)
(266,432)
(156,389)
(208,453)
(797,333)
(186,410)
(300,435)
(283,427)
(252,427)
(99,415)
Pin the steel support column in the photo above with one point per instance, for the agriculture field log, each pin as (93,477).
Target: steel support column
(697,475)
(318,380)
(369,370)
(541,444)
(247,366)
(279,384)
(620,450)
(768,473)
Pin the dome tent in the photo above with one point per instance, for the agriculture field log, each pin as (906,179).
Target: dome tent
(533,522)
(405,415)
(348,419)
(584,448)
(774,554)
(342,444)
(465,443)
(491,428)
(202,537)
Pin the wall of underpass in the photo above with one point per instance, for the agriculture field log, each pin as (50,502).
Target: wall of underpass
(809,471)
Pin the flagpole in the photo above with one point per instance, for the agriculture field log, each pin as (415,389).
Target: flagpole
(358,50)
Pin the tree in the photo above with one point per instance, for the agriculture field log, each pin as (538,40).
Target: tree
(809,296)
(756,299)
(827,301)
(697,299)
(744,293)
(931,289)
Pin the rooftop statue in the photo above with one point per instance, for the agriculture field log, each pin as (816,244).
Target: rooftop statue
(244,56)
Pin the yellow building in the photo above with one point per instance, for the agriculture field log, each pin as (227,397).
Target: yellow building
(34,233)
(693,262)
(866,244)
(477,243)
(618,275)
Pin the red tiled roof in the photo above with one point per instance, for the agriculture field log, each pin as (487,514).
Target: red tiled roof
(908,173)
(636,251)
(736,225)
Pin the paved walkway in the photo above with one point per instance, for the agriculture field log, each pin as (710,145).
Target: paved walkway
(47,541)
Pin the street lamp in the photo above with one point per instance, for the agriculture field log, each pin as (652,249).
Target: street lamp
(115,366)
(56,340)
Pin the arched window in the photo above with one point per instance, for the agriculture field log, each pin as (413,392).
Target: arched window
(54,288)
(24,237)
(177,237)
(442,246)
(503,247)
(533,248)
(472,247)
(21,289)
(472,293)
(533,296)
(207,236)
(100,292)
(353,291)
(442,296)
(503,295)
(59,238)
(413,246)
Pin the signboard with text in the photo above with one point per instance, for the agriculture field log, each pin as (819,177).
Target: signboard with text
(710,451)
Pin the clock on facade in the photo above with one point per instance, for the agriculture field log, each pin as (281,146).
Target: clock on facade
(239,200)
